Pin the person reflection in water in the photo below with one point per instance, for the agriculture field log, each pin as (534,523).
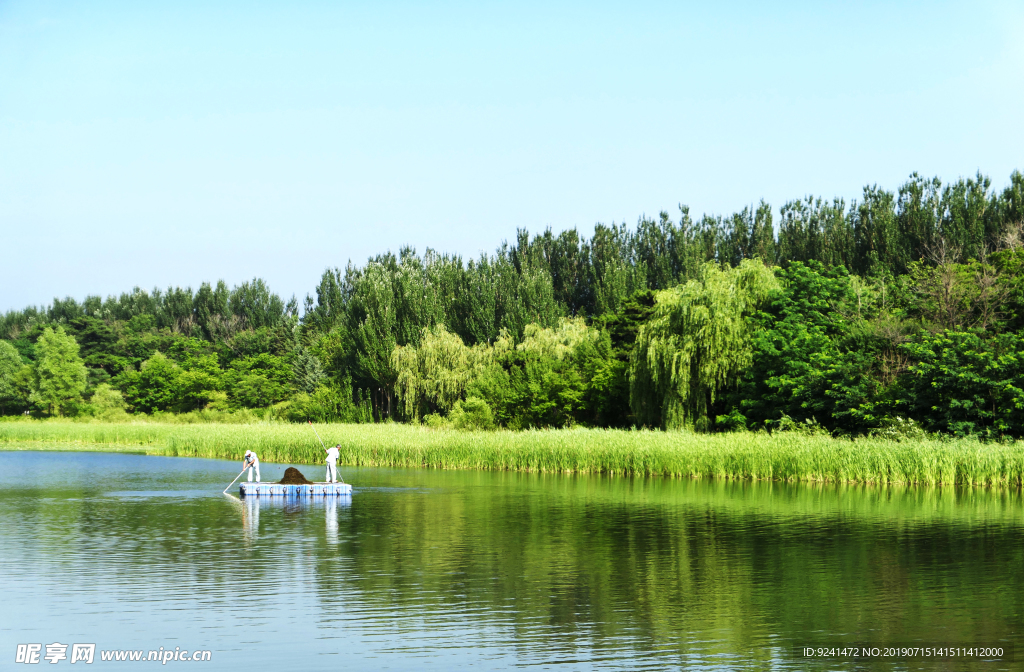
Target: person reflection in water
(251,518)
(332,519)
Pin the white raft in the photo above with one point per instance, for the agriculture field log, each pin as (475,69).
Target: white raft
(309,490)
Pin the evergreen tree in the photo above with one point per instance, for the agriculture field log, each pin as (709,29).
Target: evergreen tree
(309,373)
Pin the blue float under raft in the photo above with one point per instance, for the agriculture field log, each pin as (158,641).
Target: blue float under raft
(308,490)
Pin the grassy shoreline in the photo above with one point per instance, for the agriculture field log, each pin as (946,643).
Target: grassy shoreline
(744,456)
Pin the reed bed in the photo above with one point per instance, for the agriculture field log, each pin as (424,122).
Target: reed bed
(746,456)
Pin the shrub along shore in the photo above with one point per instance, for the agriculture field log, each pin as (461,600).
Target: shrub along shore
(785,456)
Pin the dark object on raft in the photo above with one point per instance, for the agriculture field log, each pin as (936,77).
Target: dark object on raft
(293,476)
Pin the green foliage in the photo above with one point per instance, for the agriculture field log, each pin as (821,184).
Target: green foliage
(555,377)
(258,381)
(107,404)
(60,375)
(330,403)
(163,384)
(964,384)
(472,413)
(308,372)
(800,367)
(624,325)
(1009,265)
(611,385)
(201,379)
(10,365)
(331,350)
(734,421)
(657,339)
(815,230)
(134,347)
(24,384)
(252,342)
(959,296)
(433,377)
(897,428)
(198,387)
(807,427)
(140,324)
(96,340)
(696,344)
(154,387)
(381,324)
(543,391)
(256,305)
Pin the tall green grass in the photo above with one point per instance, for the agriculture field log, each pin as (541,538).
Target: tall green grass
(760,456)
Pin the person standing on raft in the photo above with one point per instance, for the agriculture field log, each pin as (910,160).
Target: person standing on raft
(332,463)
(252,463)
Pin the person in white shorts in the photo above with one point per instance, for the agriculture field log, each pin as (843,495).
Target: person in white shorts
(251,462)
(332,464)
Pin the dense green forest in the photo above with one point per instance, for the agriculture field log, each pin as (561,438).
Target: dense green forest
(900,312)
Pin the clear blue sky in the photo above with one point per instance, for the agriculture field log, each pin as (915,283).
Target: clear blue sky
(146,143)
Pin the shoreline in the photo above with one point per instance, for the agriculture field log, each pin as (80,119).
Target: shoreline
(45,446)
(785,457)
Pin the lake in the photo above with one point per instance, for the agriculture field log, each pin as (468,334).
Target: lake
(437,570)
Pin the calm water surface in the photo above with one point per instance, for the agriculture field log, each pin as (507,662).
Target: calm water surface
(436,570)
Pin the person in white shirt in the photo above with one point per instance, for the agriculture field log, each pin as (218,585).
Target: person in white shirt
(332,463)
(251,462)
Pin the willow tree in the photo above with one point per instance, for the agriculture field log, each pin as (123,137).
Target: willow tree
(696,343)
(434,375)
(558,342)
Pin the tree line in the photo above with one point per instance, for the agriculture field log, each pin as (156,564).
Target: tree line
(897,313)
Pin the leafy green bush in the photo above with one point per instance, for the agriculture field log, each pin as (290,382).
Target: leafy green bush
(556,377)
(964,384)
(473,413)
(806,427)
(896,428)
(154,387)
(258,381)
(800,367)
(107,404)
(10,365)
(470,414)
(734,421)
(328,403)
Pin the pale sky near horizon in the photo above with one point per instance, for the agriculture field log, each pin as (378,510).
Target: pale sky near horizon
(158,144)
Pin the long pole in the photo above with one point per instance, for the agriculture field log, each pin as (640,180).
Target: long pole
(316,432)
(236,478)
(322,444)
